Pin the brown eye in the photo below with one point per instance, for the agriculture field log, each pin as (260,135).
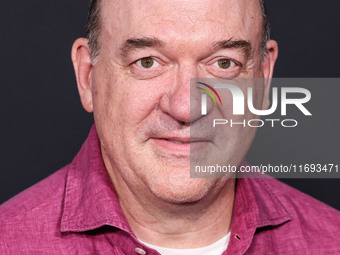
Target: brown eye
(224,63)
(147,63)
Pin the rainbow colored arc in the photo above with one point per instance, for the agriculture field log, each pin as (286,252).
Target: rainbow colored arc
(209,93)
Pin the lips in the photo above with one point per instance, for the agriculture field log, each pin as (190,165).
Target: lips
(179,145)
(177,142)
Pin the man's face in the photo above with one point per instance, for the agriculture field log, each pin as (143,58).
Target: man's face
(140,87)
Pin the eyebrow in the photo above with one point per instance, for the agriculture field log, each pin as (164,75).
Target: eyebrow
(138,43)
(144,42)
(244,45)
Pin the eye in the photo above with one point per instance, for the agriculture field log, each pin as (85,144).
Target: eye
(224,63)
(147,63)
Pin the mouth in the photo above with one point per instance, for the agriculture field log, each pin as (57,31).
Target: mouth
(179,145)
(177,142)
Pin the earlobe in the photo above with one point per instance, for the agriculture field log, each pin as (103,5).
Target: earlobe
(268,70)
(82,64)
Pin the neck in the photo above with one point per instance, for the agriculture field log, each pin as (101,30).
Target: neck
(176,225)
(183,226)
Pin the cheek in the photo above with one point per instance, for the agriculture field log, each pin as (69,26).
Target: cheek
(137,104)
(130,104)
(258,94)
(240,135)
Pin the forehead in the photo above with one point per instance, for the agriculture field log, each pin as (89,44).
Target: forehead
(174,21)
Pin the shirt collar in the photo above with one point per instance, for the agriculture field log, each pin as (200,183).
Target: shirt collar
(90,199)
(91,202)
(256,206)
(254,196)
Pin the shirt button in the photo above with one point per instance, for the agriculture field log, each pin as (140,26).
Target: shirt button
(140,251)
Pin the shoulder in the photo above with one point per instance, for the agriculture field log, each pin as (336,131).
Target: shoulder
(41,195)
(297,202)
(313,226)
(33,213)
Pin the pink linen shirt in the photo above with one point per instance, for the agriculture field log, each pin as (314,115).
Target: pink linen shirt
(76,211)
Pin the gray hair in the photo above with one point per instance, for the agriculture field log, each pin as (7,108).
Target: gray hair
(265,29)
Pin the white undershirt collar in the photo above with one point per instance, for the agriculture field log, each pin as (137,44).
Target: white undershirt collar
(216,248)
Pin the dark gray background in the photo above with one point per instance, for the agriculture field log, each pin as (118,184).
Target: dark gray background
(43,124)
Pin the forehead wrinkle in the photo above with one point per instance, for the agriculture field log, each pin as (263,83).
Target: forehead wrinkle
(192,22)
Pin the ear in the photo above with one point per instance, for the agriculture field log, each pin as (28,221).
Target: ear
(268,70)
(82,64)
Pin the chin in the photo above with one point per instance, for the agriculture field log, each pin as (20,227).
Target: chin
(180,191)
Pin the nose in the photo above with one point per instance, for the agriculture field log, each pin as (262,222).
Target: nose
(182,100)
